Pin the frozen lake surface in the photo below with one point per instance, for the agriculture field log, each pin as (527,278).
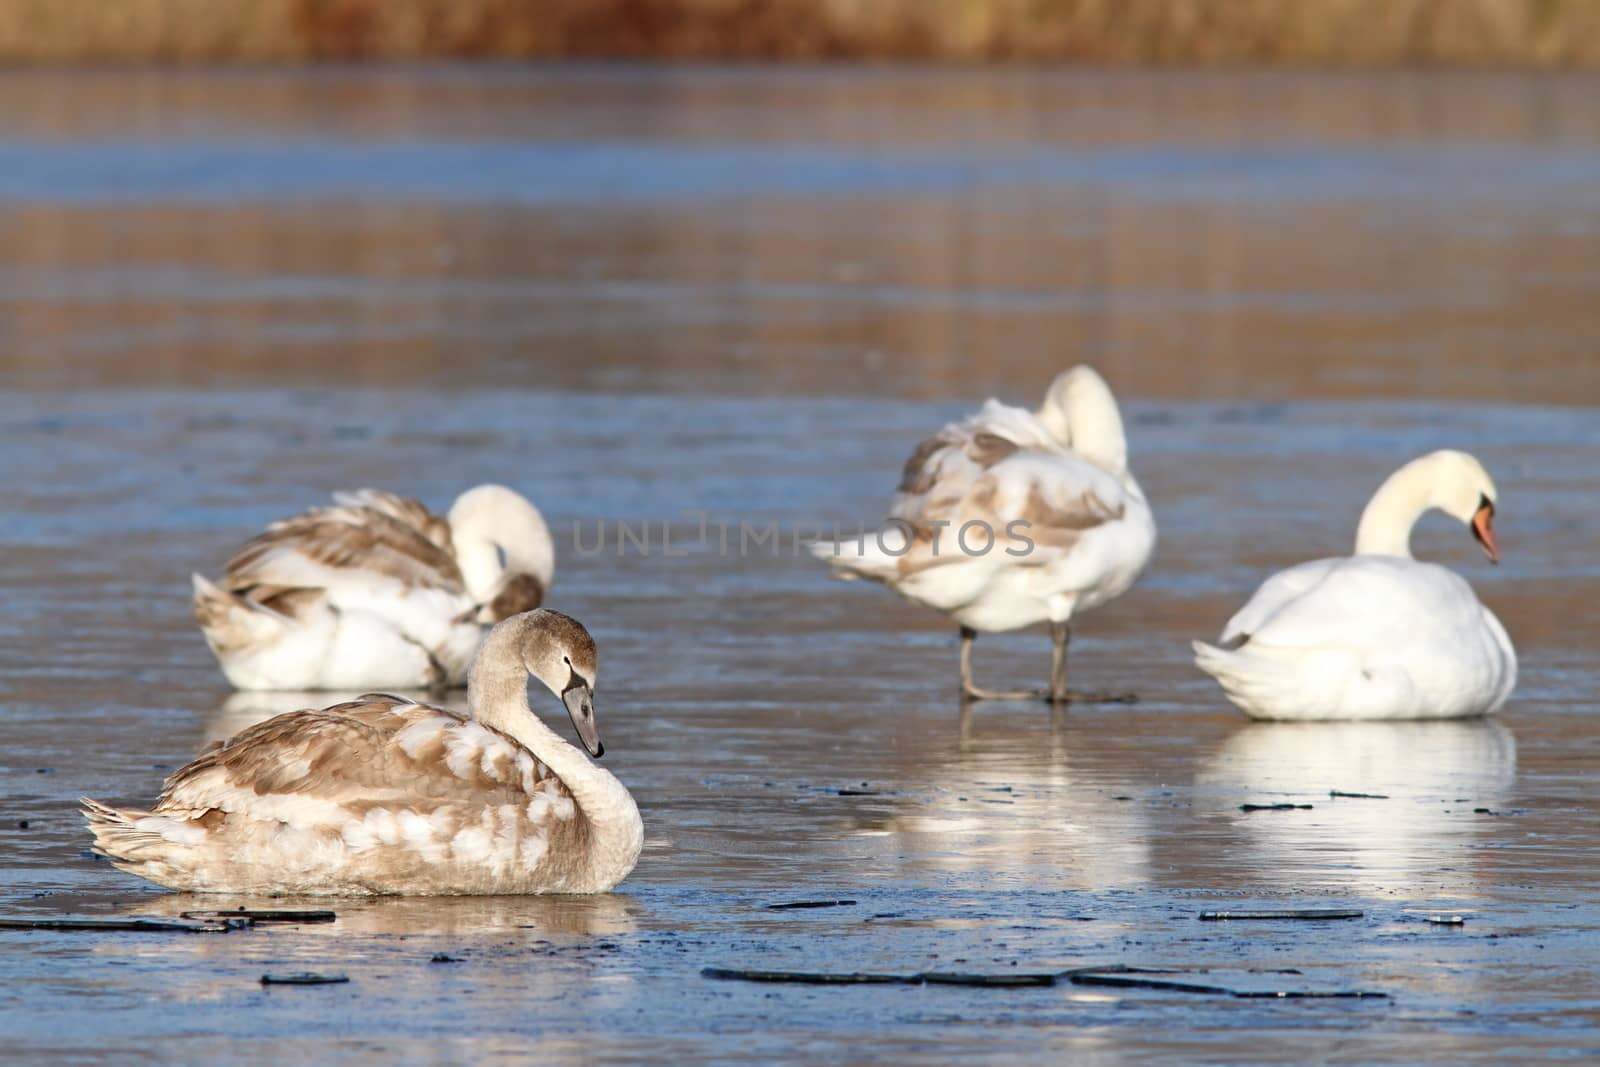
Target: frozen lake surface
(642,294)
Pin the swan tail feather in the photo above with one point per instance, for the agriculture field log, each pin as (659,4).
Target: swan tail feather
(858,557)
(230,621)
(1255,683)
(141,842)
(118,833)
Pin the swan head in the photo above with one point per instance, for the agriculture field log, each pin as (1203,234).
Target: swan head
(558,651)
(1464,490)
(1453,482)
(1081,412)
(503,549)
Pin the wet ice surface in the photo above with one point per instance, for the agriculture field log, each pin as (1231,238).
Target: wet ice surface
(791,739)
(769,356)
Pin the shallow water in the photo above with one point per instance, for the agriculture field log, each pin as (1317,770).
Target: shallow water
(638,293)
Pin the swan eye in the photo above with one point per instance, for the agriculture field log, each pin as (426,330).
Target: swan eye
(574,679)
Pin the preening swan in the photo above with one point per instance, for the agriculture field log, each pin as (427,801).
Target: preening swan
(1011,518)
(382,795)
(1376,635)
(375,591)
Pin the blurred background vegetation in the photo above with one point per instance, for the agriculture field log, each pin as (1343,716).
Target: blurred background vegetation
(1328,32)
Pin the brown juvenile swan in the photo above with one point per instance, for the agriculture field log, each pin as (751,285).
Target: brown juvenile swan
(382,795)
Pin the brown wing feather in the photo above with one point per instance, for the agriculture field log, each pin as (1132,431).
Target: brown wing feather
(943,469)
(986,449)
(1054,523)
(404,509)
(348,537)
(292,602)
(920,472)
(355,754)
(1067,519)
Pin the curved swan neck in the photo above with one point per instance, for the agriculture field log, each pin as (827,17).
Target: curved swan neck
(497,687)
(482,564)
(1099,436)
(497,696)
(1386,523)
(1082,413)
(495,530)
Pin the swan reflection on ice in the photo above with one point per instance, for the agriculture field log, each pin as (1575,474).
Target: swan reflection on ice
(1421,838)
(997,801)
(532,915)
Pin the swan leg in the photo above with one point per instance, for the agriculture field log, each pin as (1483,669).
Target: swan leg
(1060,637)
(970,690)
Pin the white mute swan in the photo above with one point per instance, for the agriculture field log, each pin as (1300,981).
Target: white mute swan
(1376,635)
(381,795)
(1012,518)
(375,591)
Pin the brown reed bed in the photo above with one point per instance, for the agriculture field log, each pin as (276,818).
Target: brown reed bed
(1544,33)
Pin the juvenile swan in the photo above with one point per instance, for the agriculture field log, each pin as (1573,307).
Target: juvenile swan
(381,795)
(375,591)
(1376,635)
(1012,518)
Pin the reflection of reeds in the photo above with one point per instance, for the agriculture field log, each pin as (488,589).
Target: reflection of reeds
(1342,284)
(1541,32)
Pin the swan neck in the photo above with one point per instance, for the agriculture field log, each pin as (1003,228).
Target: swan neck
(1102,441)
(497,696)
(1055,422)
(1394,509)
(1091,425)
(489,545)
(497,690)
(481,563)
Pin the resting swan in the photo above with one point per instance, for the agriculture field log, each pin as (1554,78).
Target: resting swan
(1376,635)
(375,591)
(381,795)
(1012,518)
